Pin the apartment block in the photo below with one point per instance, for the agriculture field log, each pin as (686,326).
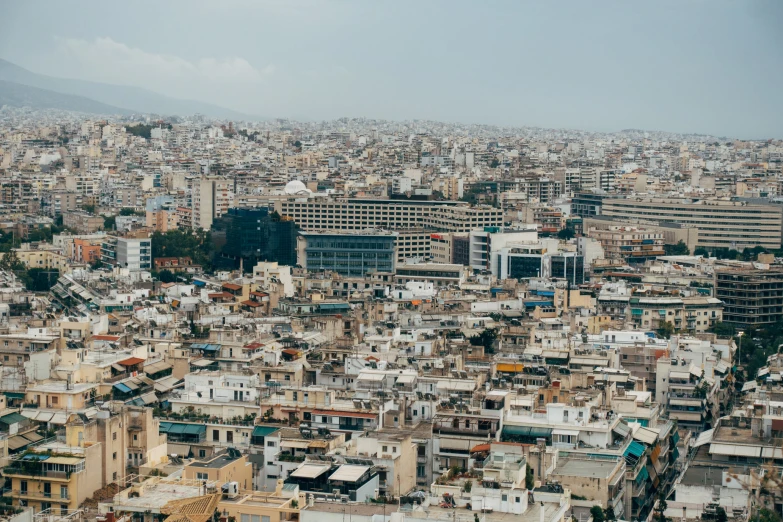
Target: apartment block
(721,224)
(132,253)
(750,297)
(389,214)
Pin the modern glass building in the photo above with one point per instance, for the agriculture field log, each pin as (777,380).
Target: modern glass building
(252,235)
(348,254)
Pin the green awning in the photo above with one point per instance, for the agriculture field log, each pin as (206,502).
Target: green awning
(516,431)
(177,429)
(263,431)
(636,449)
(195,429)
(642,476)
(14,395)
(12,418)
(164,427)
(538,432)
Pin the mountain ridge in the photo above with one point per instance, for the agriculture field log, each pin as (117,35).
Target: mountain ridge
(133,99)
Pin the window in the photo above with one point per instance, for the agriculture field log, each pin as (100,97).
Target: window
(229,436)
(385,449)
(55,400)
(114,456)
(202,476)
(135,437)
(114,476)
(202,453)
(64,492)
(114,436)
(270,443)
(215,435)
(504,498)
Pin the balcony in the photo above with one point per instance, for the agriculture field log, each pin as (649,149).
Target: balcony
(21,472)
(34,494)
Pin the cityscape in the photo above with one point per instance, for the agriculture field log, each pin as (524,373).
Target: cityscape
(212,316)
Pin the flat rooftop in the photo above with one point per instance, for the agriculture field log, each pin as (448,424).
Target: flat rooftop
(155,496)
(216,463)
(436,513)
(586,468)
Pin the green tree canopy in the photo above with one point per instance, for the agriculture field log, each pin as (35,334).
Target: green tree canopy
(486,339)
(680,249)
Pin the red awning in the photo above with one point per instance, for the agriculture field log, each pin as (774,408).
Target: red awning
(251,304)
(480,448)
(110,338)
(131,361)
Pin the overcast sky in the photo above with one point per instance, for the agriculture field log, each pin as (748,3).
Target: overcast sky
(709,66)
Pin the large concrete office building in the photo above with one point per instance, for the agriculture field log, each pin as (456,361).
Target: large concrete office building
(721,223)
(317,213)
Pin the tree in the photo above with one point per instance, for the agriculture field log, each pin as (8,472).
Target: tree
(723,329)
(609,513)
(196,245)
(41,279)
(298,144)
(702,389)
(660,508)
(701,251)
(597,513)
(89,208)
(720,515)
(109,222)
(566,233)
(665,330)
(10,261)
(495,163)
(131,212)
(166,276)
(485,339)
(529,480)
(766,515)
(680,249)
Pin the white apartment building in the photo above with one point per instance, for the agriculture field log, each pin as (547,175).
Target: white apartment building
(130,253)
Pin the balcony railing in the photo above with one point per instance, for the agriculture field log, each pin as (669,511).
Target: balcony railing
(31,472)
(35,494)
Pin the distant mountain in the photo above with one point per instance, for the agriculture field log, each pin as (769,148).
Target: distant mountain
(18,95)
(135,99)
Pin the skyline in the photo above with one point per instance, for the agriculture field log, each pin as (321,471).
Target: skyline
(324,60)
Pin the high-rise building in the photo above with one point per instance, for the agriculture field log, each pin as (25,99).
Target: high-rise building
(251,235)
(212,197)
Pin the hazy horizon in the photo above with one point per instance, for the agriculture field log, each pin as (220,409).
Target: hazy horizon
(695,66)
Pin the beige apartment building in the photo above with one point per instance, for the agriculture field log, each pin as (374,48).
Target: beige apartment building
(721,223)
(635,245)
(212,197)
